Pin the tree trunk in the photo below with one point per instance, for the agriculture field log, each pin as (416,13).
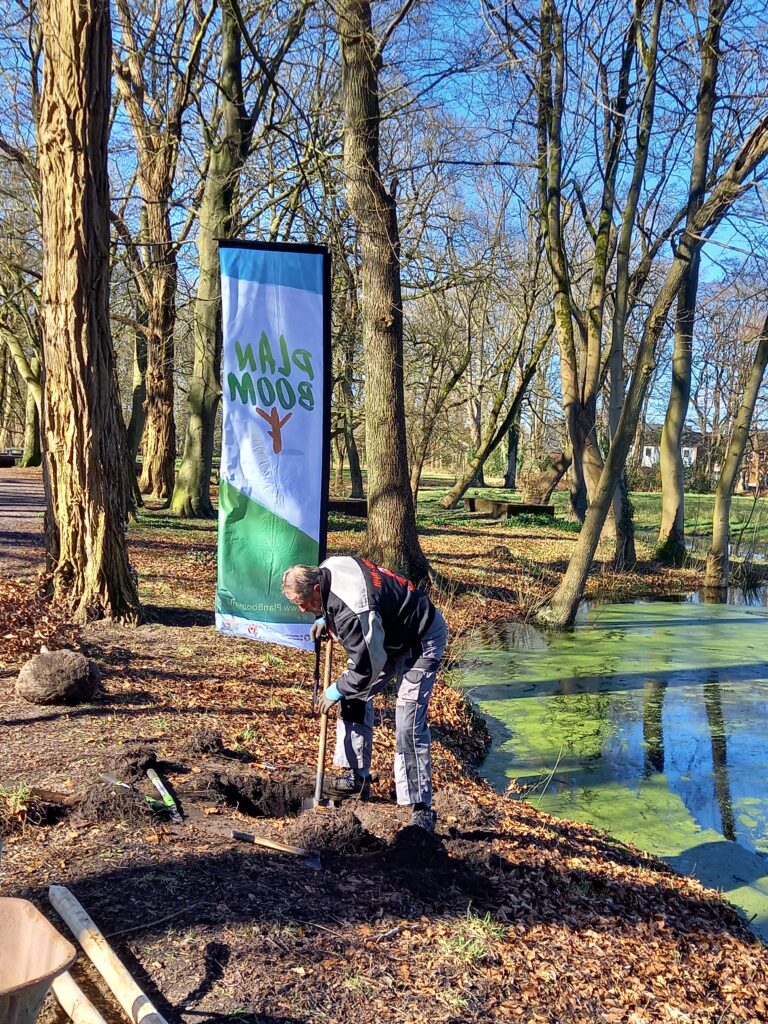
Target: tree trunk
(192,493)
(86,485)
(392,537)
(672,531)
(513,444)
(4,375)
(135,428)
(716,574)
(32,455)
(353,455)
(159,463)
(338,476)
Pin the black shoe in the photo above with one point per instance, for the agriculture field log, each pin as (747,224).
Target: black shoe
(423,817)
(352,784)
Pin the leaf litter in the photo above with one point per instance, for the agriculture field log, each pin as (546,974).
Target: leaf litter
(507,914)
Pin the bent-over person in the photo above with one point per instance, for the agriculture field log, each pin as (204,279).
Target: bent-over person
(390,630)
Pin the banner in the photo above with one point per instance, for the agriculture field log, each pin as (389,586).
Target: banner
(275,433)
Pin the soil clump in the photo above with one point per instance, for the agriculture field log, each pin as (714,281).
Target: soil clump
(131,763)
(334,830)
(205,741)
(103,802)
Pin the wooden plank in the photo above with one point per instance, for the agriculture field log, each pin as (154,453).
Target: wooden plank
(507,509)
(357,507)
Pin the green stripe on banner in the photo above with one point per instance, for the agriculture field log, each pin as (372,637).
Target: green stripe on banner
(255,548)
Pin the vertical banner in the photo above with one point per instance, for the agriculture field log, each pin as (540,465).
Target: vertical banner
(275,445)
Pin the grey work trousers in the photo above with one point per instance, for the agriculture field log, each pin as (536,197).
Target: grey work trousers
(415,671)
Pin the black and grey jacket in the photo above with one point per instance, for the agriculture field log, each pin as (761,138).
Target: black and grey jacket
(374,613)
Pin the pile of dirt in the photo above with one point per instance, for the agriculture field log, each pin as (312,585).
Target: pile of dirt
(131,763)
(262,796)
(458,810)
(103,802)
(414,847)
(330,829)
(206,741)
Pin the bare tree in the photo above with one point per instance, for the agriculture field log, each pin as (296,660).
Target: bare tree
(716,575)
(392,537)
(156,95)
(86,484)
(729,187)
(672,530)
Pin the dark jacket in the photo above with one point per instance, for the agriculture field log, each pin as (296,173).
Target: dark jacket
(375,614)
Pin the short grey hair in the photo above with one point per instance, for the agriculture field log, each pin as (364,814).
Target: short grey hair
(300,580)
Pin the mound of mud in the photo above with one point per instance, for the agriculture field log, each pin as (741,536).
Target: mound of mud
(336,830)
(414,847)
(262,796)
(205,741)
(103,802)
(131,763)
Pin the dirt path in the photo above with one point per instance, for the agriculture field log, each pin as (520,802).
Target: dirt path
(22,504)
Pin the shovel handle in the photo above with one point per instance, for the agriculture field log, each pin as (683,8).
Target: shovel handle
(320,778)
(316,680)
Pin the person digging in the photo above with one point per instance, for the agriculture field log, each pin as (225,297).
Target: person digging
(390,630)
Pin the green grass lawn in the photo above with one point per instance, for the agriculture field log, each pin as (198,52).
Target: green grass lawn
(749,519)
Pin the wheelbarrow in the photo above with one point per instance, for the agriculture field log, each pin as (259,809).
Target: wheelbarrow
(32,954)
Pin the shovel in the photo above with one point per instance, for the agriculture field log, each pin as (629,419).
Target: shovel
(317,800)
(310,858)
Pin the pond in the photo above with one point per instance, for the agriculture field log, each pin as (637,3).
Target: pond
(649,721)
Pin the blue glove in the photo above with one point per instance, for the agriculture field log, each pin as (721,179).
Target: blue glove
(317,629)
(328,698)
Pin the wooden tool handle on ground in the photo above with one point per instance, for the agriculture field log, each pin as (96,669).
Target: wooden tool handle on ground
(74,1002)
(271,844)
(320,778)
(126,991)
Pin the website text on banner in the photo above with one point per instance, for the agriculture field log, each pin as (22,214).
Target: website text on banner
(275,433)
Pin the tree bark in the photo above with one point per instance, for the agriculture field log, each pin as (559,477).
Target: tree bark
(671,547)
(717,569)
(86,485)
(513,445)
(392,536)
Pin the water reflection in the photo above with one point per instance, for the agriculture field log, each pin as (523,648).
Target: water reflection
(650,721)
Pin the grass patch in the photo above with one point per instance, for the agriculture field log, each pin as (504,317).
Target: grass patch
(473,938)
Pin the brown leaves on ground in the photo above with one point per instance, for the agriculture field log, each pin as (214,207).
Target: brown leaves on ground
(510,915)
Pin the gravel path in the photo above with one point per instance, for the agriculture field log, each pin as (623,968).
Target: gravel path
(22,503)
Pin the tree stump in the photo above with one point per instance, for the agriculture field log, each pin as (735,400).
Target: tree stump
(58,677)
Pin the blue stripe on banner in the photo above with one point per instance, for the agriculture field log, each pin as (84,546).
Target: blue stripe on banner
(302,270)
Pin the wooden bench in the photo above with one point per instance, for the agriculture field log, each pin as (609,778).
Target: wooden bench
(507,509)
(7,461)
(357,507)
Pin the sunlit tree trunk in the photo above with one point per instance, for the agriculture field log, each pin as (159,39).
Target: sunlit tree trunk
(31,455)
(392,537)
(672,531)
(716,574)
(86,486)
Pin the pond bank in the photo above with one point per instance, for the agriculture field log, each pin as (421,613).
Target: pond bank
(649,722)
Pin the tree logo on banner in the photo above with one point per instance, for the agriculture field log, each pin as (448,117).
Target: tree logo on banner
(274,383)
